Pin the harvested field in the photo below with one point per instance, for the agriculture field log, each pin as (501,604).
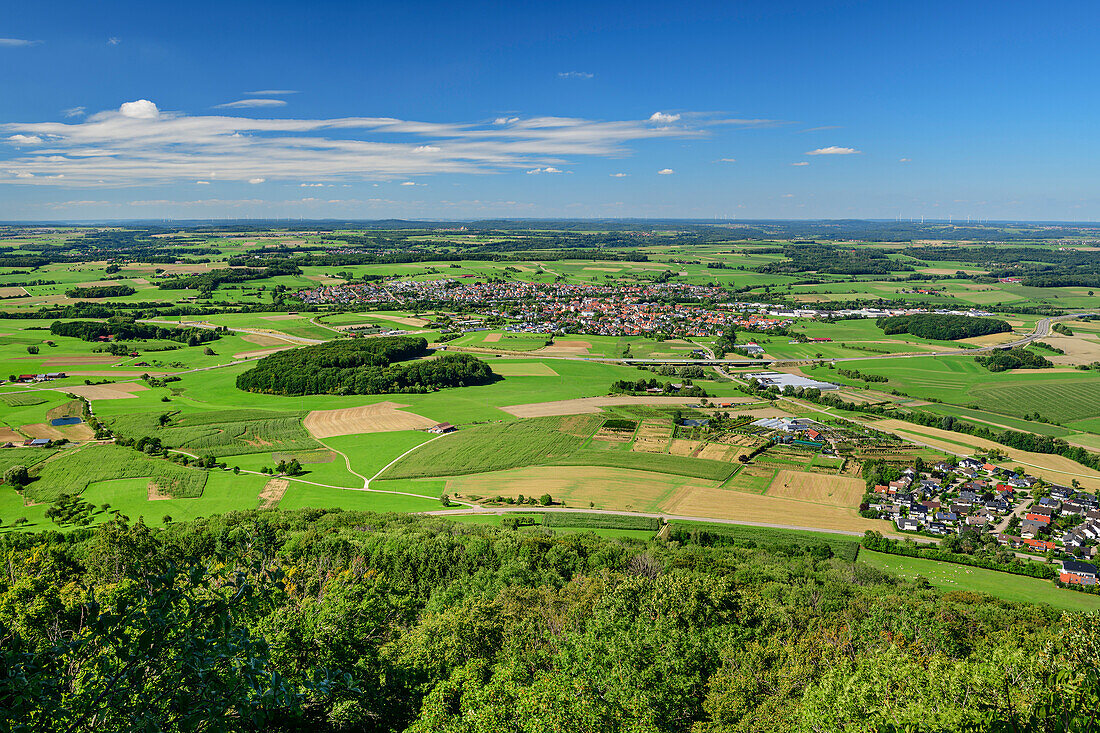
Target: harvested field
(383,417)
(81,360)
(522,369)
(680,447)
(282,317)
(104,373)
(403,320)
(42,430)
(584,405)
(613,436)
(13,291)
(607,488)
(652,437)
(991,339)
(259,353)
(263,339)
(118,391)
(179,269)
(815,487)
(1081,348)
(7,435)
(698,501)
(491,338)
(272,493)
(717,452)
(155,493)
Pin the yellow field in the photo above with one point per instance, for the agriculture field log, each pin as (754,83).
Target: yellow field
(838,491)
(382,417)
(522,369)
(607,488)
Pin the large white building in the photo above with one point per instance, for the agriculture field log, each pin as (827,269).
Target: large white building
(781,380)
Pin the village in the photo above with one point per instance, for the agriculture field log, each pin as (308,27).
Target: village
(1017,510)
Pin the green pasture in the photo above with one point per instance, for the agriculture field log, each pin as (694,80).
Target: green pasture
(950,576)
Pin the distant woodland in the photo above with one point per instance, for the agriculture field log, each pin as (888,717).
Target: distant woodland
(942,327)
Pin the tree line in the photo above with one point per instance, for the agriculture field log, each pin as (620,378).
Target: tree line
(942,326)
(127,329)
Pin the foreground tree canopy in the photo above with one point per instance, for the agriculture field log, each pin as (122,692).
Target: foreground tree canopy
(362,366)
(346,621)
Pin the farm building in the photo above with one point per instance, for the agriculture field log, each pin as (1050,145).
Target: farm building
(441,428)
(781,380)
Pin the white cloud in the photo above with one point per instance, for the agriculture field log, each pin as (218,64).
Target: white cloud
(800,163)
(202,183)
(271,92)
(311,185)
(408,183)
(25,140)
(138,144)
(73,112)
(660,118)
(665,172)
(904,160)
(619,175)
(505,120)
(547,169)
(834,150)
(256,180)
(141,109)
(729,160)
(17,42)
(112,41)
(249,103)
(575,75)
(788,196)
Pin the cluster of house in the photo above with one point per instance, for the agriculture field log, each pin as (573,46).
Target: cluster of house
(952,498)
(48,376)
(979,496)
(29,442)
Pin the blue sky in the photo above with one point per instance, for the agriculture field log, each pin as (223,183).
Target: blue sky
(481,109)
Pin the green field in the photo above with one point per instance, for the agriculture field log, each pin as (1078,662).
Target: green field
(949,576)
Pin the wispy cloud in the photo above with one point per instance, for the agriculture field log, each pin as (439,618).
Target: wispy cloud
(665,172)
(140,144)
(575,75)
(619,175)
(73,112)
(251,103)
(800,163)
(548,169)
(505,120)
(17,42)
(256,180)
(728,160)
(24,140)
(113,41)
(904,160)
(202,183)
(822,128)
(834,150)
(271,92)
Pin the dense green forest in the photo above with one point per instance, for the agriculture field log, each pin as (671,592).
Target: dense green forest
(346,621)
(363,366)
(813,257)
(120,329)
(942,327)
(99,291)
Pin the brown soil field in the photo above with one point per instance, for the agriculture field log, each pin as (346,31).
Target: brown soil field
(1080,348)
(403,320)
(821,489)
(382,417)
(588,404)
(680,447)
(263,340)
(990,340)
(1053,468)
(7,435)
(491,338)
(42,430)
(522,369)
(108,391)
(607,488)
(272,493)
(724,504)
(178,269)
(81,360)
(155,493)
(12,291)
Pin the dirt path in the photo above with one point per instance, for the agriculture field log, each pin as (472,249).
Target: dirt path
(395,460)
(347,462)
